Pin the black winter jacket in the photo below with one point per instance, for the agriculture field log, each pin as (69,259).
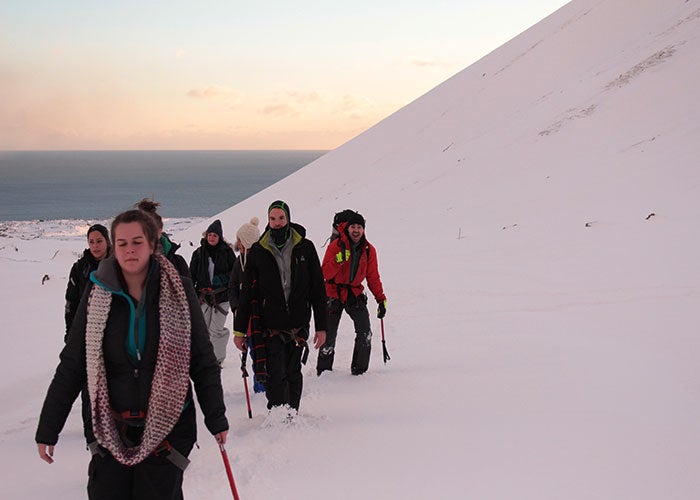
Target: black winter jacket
(307,287)
(235,281)
(129,381)
(77,282)
(169,250)
(223,257)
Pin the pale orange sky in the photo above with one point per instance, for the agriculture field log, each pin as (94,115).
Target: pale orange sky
(231,75)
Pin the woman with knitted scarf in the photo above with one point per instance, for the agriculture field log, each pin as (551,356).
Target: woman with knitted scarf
(137,339)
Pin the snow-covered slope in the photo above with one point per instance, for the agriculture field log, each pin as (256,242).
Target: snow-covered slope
(571,118)
(536,222)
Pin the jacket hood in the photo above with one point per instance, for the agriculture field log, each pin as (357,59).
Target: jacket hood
(87,255)
(297,233)
(344,235)
(169,246)
(205,244)
(107,275)
(293,225)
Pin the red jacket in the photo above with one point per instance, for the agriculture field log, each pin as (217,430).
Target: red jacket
(337,263)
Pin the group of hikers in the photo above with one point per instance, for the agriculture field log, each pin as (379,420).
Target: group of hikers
(142,326)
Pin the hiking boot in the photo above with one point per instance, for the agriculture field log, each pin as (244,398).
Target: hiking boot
(324,361)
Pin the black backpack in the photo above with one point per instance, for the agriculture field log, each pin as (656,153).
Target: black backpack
(338,219)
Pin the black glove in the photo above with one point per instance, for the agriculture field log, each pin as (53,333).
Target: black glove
(381,309)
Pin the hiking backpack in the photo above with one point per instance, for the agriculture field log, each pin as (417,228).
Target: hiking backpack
(338,219)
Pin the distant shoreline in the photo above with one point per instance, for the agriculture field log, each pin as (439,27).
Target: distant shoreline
(73,229)
(44,185)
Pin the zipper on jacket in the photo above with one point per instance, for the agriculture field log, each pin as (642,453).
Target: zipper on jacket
(137,321)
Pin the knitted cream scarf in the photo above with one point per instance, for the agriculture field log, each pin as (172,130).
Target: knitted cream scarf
(170,379)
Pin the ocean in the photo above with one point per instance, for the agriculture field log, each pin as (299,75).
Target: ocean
(97,185)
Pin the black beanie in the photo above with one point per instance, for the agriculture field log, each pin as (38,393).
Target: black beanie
(356,218)
(282,205)
(215,227)
(101,229)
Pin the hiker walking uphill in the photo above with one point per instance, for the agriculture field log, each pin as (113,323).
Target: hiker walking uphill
(136,340)
(282,284)
(98,248)
(349,260)
(246,236)
(210,267)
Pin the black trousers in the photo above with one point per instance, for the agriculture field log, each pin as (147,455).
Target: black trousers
(156,478)
(284,378)
(357,310)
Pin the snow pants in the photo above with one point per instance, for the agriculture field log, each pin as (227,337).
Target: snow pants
(215,319)
(284,378)
(363,335)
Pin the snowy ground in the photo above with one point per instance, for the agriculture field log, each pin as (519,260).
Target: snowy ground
(543,325)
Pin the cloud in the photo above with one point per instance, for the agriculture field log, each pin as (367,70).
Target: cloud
(279,110)
(312,97)
(292,103)
(211,92)
(422,63)
(350,104)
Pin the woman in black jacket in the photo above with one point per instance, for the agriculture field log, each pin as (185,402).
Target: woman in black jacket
(246,236)
(137,339)
(211,266)
(98,249)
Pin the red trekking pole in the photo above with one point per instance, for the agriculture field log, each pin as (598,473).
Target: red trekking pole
(228,472)
(385,352)
(244,375)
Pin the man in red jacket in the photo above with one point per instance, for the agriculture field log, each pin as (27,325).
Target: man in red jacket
(349,260)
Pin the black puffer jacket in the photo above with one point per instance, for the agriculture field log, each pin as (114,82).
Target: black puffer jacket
(169,250)
(307,287)
(234,283)
(77,282)
(129,381)
(223,257)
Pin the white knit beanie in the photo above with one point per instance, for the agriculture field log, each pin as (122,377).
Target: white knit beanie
(249,233)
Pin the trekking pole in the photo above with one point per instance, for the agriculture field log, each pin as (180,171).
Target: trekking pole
(244,375)
(224,456)
(386,353)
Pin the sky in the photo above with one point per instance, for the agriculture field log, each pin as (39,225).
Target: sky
(538,247)
(80,74)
